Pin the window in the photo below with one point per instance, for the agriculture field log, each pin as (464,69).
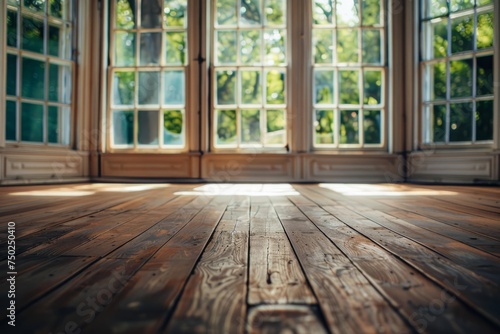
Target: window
(250,73)
(38,71)
(348,52)
(457,64)
(148,74)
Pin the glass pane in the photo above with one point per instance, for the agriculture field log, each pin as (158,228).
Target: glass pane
(33,80)
(323,127)
(123,88)
(65,121)
(32,35)
(149,86)
(250,12)
(66,51)
(347,12)
(438,81)
(54,89)
(150,49)
(174,87)
(349,87)
(438,119)
(226,12)
(274,41)
(10,120)
(250,44)
(250,126)
(485,30)
(484,120)
(226,47)
(59,83)
(175,48)
(125,49)
(275,120)
(53,125)
(347,46)
(35,5)
(462,34)
(32,122)
(484,2)
(151,16)
(251,88)
(372,46)
(323,46)
(440,33)
(57,8)
(461,78)
(371,12)
(275,12)
(484,75)
(11,28)
(226,87)
(456,5)
(148,127)
(13,2)
(123,127)
(11,86)
(125,15)
(324,87)
(461,122)
(175,13)
(226,127)
(373,87)
(275,87)
(372,126)
(323,11)
(54,42)
(173,128)
(349,127)
(436,8)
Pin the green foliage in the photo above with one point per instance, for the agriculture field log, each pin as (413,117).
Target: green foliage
(372,127)
(124,91)
(32,35)
(461,78)
(349,88)
(275,13)
(441,38)
(226,87)
(32,122)
(371,12)
(372,87)
(176,46)
(125,14)
(35,5)
(324,127)
(439,83)
(172,121)
(275,120)
(226,126)
(439,123)
(485,33)
(275,81)
(56,8)
(175,13)
(349,126)
(462,34)
(460,122)
(11,28)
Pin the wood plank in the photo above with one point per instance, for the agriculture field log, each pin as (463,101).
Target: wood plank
(213,300)
(350,304)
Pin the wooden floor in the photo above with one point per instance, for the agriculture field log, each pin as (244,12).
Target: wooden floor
(222,258)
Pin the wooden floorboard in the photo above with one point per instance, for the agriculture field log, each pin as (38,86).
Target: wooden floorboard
(252,258)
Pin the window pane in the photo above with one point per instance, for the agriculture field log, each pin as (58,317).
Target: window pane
(151,49)
(53,125)
(275,87)
(371,12)
(461,122)
(438,119)
(251,88)
(275,12)
(436,8)
(484,2)
(175,13)
(32,122)
(175,48)
(372,126)
(323,46)
(250,12)
(456,5)
(373,87)
(275,47)
(323,126)
(173,133)
(440,34)
(250,126)
(151,16)
(462,34)
(35,5)
(484,75)
(10,120)
(226,12)
(124,88)
(461,78)
(11,28)
(226,127)
(484,120)
(123,127)
(485,30)
(32,35)
(148,127)
(250,46)
(372,47)
(275,120)
(438,81)
(33,79)
(349,127)
(347,12)
(124,49)
(323,11)
(59,83)
(324,87)
(347,46)
(11,86)
(55,41)
(58,8)
(349,87)
(226,47)
(125,16)
(226,87)
(174,87)
(149,82)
